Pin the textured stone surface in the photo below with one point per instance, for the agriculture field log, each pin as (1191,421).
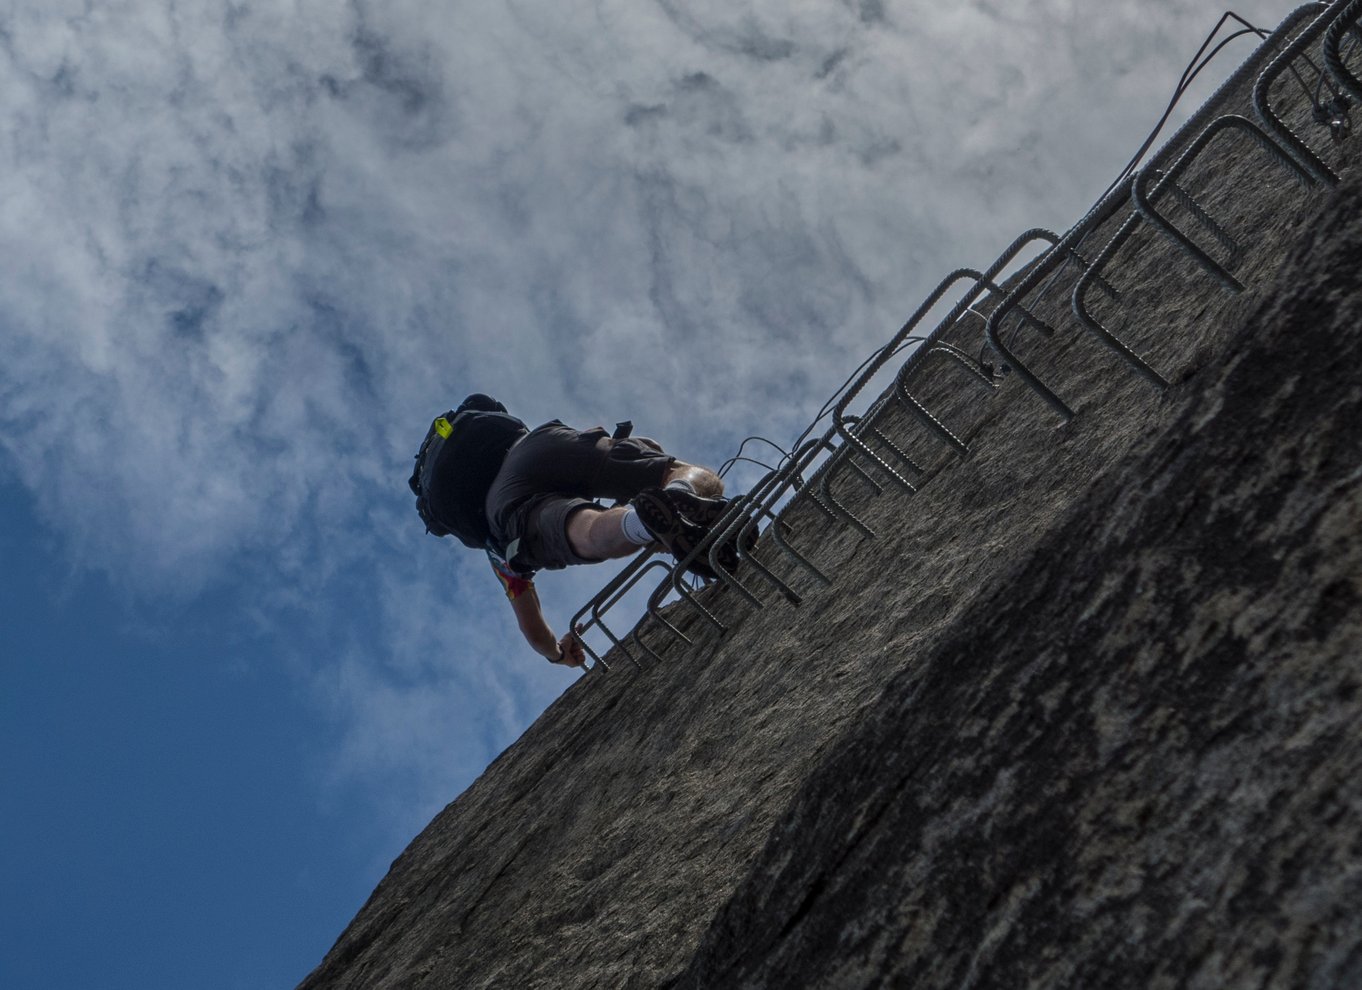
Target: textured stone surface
(1083,714)
(1138,762)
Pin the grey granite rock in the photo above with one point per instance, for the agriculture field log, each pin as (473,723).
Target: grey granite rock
(1137,762)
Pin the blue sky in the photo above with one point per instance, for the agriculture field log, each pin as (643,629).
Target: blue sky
(247,251)
(160,826)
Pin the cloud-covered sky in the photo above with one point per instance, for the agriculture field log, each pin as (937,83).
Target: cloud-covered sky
(247,250)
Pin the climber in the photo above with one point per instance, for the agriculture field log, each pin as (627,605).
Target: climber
(528,498)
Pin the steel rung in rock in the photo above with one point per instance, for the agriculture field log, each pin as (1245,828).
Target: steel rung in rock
(605,599)
(933,424)
(983,282)
(1234,251)
(1112,202)
(1144,197)
(738,523)
(1333,58)
(794,480)
(1080,310)
(654,608)
(1146,211)
(1262,103)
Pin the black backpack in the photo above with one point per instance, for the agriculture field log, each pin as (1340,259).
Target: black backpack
(456,465)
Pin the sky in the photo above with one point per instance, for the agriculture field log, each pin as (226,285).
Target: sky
(249,250)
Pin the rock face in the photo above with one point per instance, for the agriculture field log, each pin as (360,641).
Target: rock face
(1137,762)
(1085,712)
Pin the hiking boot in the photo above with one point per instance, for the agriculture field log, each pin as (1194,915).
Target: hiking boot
(750,536)
(728,552)
(659,512)
(727,555)
(697,508)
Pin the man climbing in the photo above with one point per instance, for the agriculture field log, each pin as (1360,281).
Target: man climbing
(529,499)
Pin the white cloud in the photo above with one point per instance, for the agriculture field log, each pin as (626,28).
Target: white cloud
(249,250)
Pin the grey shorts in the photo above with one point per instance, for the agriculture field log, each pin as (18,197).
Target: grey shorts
(554,471)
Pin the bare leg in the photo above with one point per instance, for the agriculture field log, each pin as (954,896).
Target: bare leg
(706,483)
(596,534)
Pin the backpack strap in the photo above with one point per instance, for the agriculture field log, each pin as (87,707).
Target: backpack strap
(419,482)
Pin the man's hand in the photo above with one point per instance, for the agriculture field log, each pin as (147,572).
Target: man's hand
(530,616)
(570,652)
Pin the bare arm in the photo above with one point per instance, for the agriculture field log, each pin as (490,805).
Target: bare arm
(535,628)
